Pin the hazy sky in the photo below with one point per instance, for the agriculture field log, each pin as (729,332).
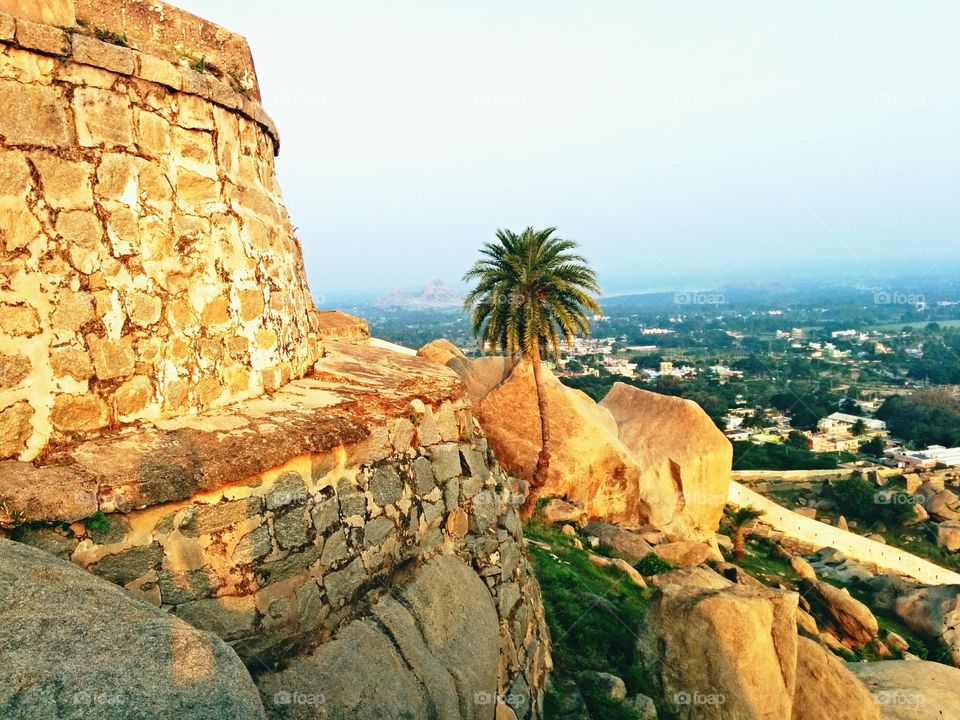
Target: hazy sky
(681,143)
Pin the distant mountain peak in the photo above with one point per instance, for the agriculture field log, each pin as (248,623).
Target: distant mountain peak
(436,295)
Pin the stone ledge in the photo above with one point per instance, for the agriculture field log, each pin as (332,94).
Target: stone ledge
(343,412)
(141,64)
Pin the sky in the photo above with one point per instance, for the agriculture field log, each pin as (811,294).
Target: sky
(684,144)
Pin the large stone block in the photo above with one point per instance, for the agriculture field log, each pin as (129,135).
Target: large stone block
(66,184)
(18,226)
(111,57)
(112,358)
(103,118)
(18,319)
(15,178)
(15,428)
(14,369)
(43,38)
(34,115)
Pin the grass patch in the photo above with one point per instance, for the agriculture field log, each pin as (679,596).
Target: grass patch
(593,614)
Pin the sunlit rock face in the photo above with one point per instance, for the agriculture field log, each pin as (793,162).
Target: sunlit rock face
(147,265)
(637,458)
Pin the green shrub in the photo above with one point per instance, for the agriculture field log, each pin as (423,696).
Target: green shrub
(856,497)
(653,564)
(97,522)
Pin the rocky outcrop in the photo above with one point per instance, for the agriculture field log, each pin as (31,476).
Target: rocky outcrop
(429,649)
(619,542)
(637,459)
(717,650)
(74,646)
(911,690)
(849,619)
(274,523)
(825,687)
(722,653)
(685,457)
(931,611)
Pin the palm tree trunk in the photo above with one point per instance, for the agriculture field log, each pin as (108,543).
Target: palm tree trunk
(543,459)
(739,540)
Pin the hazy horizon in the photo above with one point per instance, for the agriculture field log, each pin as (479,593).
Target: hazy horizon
(681,145)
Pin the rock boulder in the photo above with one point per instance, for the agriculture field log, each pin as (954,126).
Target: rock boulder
(428,650)
(911,690)
(619,542)
(721,653)
(74,646)
(680,448)
(827,689)
(836,609)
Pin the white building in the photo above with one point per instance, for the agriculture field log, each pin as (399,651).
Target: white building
(931,457)
(839,422)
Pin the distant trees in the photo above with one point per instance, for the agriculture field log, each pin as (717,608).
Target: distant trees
(649,362)
(767,456)
(751,366)
(857,497)
(859,427)
(874,446)
(798,440)
(927,417)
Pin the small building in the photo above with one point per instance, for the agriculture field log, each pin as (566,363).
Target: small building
(931,457)
(842,423)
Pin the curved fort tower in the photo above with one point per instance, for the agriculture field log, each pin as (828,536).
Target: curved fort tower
(147,265)
(176,418)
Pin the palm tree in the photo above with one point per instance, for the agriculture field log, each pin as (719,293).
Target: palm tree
(531,292)
(741,522)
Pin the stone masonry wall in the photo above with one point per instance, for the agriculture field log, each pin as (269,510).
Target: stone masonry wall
(147,264)
(277,564)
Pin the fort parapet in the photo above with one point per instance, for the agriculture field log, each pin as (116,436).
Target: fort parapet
(148,268)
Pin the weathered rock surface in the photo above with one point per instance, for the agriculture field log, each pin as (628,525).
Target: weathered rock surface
(834,607)
(429,650)
(934,612)
(827,689)
(911,690)
(686,553)
(480,375)
(561,511)
(724,653)
(948,535)
(638,458)
(589,464)
(680,448)
(619,542)
(75,646)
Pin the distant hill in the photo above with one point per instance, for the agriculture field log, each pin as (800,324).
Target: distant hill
(436,295)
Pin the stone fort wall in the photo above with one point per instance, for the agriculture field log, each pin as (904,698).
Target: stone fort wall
(147,264)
